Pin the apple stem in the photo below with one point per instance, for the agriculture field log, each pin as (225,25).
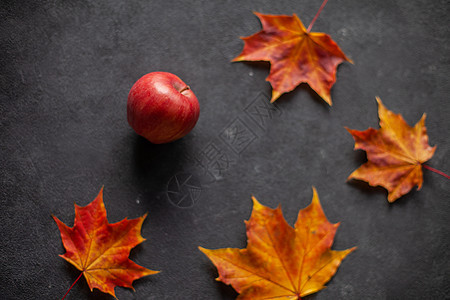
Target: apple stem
(317,15)
(72,286)
(185,88)
(436,171)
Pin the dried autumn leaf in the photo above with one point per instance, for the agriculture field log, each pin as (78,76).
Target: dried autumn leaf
(395,153)
(295,55)
(100,250)
(281,262)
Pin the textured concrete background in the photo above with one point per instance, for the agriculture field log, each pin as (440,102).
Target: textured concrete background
(67,67)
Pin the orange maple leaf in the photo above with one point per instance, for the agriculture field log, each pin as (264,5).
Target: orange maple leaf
(100,250)
(281,262)
(395,153)
(295,54)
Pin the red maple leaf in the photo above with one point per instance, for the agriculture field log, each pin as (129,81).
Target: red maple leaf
(295,54)
(100,250)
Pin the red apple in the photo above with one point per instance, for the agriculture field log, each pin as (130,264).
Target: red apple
(162,108)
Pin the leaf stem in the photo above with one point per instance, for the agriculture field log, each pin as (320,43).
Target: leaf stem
(72,286)
(436,171)
(317,15)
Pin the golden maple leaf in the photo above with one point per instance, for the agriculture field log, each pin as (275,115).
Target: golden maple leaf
(281,262)
(100,250)
(295,55)
(395,153)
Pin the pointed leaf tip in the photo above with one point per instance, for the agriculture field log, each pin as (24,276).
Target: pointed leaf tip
(275,96)
(315,195)
(315,199)
(255,201)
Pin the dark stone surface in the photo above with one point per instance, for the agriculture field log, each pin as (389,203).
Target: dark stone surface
(67,67)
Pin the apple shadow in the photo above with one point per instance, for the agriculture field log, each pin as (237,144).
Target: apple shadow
(155,164)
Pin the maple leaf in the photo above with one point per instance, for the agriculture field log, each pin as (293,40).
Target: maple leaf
(281,262)
(395,153)
(100,250)
(295,54)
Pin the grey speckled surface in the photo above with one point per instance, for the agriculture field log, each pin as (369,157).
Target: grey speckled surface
(67,67)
